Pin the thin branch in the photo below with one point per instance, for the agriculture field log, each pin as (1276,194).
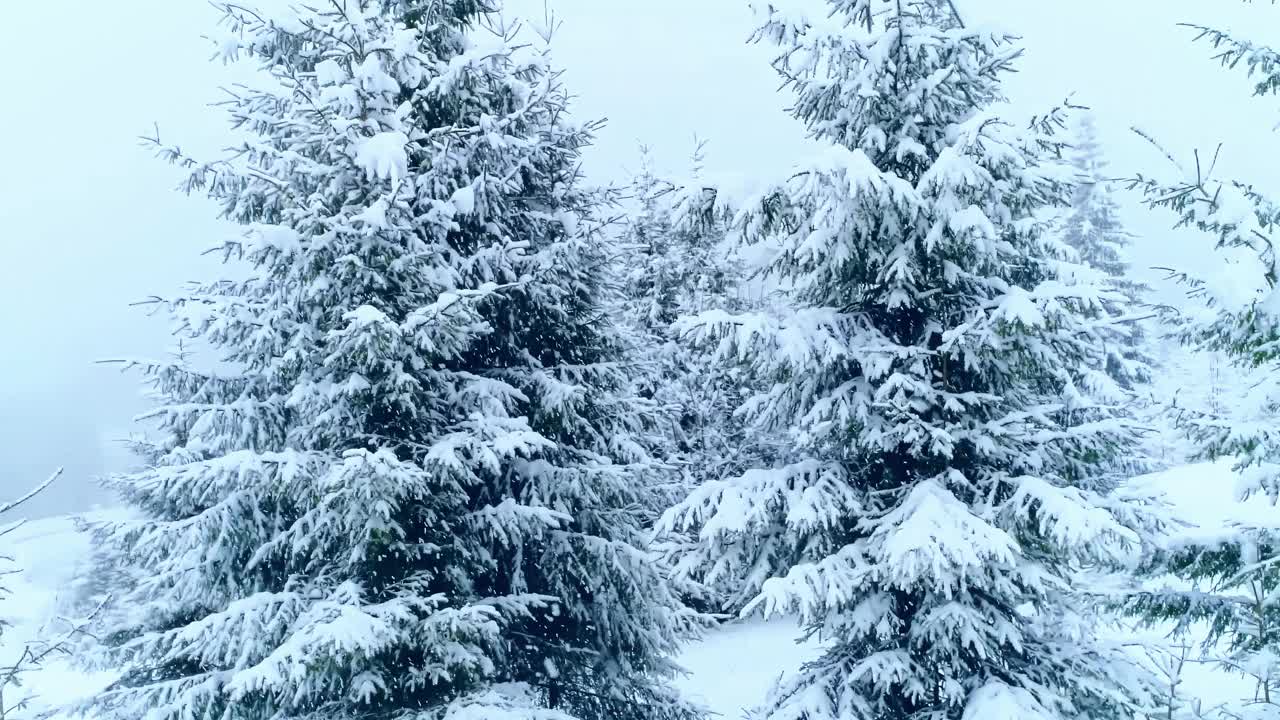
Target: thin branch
(6,507)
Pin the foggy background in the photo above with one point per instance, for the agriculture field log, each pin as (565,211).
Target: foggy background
(89,221)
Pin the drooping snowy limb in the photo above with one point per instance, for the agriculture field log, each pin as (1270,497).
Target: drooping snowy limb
(1259,60)
(943,477)
(415,486)
(1228,585)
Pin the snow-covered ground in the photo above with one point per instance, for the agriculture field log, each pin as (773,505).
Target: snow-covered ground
(1203,494)
(733,668)
(729,671)
(51,555)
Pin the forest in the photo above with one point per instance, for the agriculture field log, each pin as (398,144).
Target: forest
(450,427)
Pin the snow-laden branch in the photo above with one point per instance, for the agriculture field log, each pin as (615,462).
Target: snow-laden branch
(6,507)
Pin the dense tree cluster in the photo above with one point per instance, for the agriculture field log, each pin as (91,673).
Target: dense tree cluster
(459,435)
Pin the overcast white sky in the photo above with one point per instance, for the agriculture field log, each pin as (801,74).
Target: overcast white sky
(89,222)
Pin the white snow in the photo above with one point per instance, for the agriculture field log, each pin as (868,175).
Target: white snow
(734,667)
(383,156)
(1019,306)
(366,315)
(329,72)
(464,199)
(375,215)
(51,555)
(1205,495)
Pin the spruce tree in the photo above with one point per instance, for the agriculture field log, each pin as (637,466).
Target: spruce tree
(646,271)
(677,264)
(1229,579)
(935,497)
(674,265)
(1242,326)
(1092,227)
(1224,599)
(411,489)
(651,276)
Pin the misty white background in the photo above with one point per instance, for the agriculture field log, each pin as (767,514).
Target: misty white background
(89,222)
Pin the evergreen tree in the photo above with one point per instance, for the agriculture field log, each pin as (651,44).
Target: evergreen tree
(1093,228)
(651,275)
(648,276)
(935,497)
(1241,322)
(1192,387)
(414,491)
(1225,595)
(676,265)
(1229,580)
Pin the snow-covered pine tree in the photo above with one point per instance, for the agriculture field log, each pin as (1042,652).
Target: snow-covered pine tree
(413,493)
(1224,599)
(1230,579)
(645,266)
(672,265)
(935,499)
(1243,326)
(1192,386)
(1093,228)
(647,263)
(675,265)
